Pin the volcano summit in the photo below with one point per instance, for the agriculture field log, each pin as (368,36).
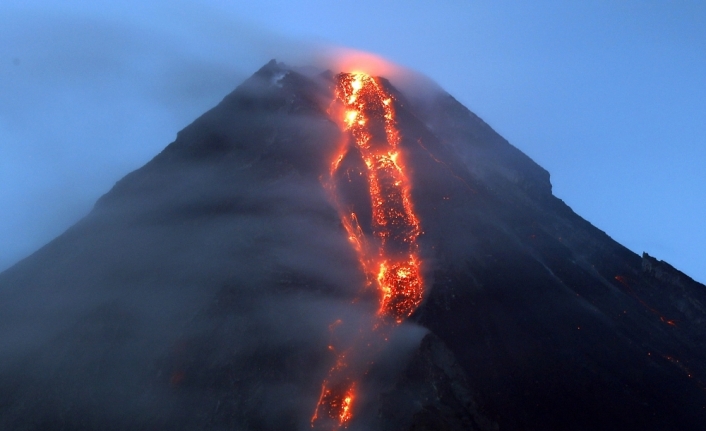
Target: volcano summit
(325,251)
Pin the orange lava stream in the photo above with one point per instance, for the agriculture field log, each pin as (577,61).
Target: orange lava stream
(395,265)
(390,259)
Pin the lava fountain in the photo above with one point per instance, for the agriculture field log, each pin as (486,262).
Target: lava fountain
(390,259)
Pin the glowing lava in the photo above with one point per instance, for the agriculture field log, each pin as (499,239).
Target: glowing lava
(334,407)
(390,259)
(394,264)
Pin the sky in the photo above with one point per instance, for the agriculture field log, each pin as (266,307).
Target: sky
(609,97)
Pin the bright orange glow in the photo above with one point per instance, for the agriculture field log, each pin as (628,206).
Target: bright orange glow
(359,62)
(346,415)
(390,259)
(335,403)
(395,266)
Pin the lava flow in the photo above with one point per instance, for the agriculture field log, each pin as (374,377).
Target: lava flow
(390,259)
(393,264)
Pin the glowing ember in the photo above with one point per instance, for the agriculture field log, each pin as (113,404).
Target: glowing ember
(390,260)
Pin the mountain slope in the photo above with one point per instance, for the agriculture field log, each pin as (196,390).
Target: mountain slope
(547,312)
(200,291)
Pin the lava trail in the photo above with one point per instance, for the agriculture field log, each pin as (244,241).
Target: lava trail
(390,259)
(393,263)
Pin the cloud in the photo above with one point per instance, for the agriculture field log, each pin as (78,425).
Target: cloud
(88,97)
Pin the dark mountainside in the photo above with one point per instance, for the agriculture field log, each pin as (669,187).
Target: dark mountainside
(200,292)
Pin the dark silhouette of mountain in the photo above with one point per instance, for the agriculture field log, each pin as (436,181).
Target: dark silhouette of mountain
(200,292)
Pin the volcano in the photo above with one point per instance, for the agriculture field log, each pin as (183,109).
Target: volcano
(327,251)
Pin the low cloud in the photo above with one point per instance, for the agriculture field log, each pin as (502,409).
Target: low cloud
(88,98)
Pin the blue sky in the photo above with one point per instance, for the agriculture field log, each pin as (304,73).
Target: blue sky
(609,97)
